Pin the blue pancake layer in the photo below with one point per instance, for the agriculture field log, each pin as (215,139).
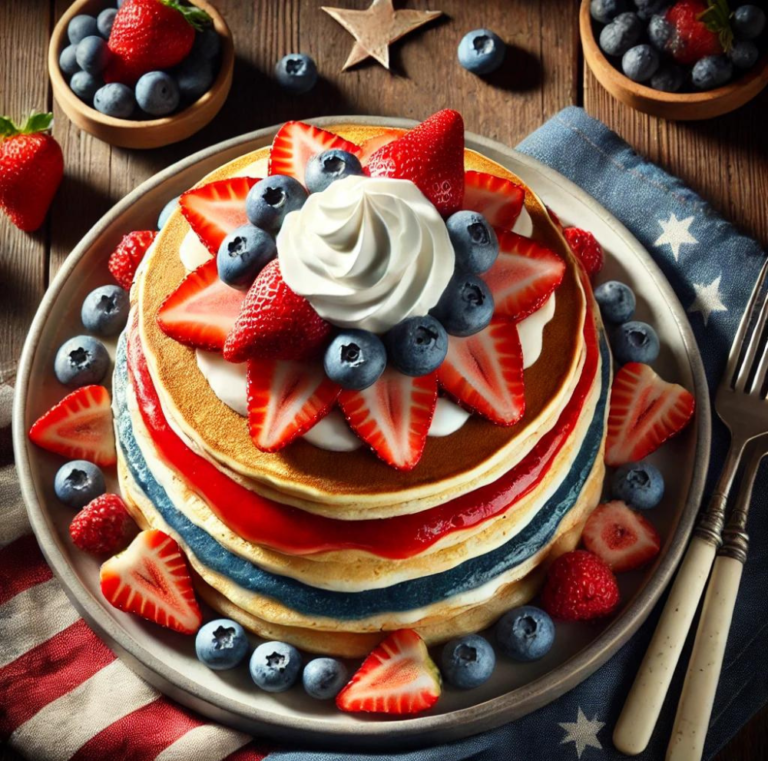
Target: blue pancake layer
(404,596)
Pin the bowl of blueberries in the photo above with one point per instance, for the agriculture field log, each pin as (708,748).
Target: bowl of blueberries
(678,59)
(141,73)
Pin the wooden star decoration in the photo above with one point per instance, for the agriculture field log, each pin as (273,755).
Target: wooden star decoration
(376,28)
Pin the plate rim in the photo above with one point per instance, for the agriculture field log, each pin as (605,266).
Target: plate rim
(408,732)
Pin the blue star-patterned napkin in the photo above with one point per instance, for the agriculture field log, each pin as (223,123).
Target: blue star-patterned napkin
(712,267)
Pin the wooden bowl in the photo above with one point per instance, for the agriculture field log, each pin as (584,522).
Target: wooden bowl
(677,106)
(151,133)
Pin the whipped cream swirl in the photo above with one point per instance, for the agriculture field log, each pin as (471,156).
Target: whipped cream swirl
(367,252)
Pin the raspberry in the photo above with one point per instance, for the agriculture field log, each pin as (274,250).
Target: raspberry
(102,526)
(125,259)
(585,248)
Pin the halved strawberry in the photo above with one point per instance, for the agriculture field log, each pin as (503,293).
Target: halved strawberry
(645,411)
(398,677)
(500,201)
(79,427)
(216,209)
(285,399)
(393,416)
(585,248)
(200,313)
(296,142)
(151,579)
(523,277)
(485,372)
(624,539)
(372,144)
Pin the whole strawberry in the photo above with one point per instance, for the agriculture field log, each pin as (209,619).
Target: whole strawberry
(579,587)
(31,168)
(125,259)
(702,28)
(585,248)
(149,35)
(275,323)
(103,526)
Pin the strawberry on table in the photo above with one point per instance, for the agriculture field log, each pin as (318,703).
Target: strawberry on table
(31,168)
(398,677)
(79,427)
(151,579)
(103,526)
(644,412)
(125,259)
(585,248)
(499,200)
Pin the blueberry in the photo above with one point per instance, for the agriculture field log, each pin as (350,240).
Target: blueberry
(327,167)
(119,3)
(80,27)
(468,662)
(85,85)
(668,78)
(165,214)
(660,32)
(207,44)
(604,11)
(635,341)
(271,199)
(243,254)
(323,678)
(748,22)
(105,310)
(744,54)
(526,633)
(621,34)
(115,99)
(355,359)
(647,8)
(417,346)
(617,301)
(474,242)
(105,20)
(194,77)
(275,666)
(481,51)
(466,306)
(157,93)
(68,60)
(221,644)
(78,482)
(80,361)
(639,484)
(640,63)
(92,54)
(296,73)
(712,71)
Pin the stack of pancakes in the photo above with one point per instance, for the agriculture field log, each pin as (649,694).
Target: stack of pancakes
(326,550)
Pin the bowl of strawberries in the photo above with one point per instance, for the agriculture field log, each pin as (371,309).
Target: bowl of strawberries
(141,73)
(678,59)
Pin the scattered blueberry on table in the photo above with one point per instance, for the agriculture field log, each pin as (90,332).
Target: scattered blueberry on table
(467,662)
(221,644)
(639,484)
(481,51)
(81,361)
(78,482)
(296,73)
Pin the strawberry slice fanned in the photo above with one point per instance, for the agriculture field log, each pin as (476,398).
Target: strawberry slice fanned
(151,579)
(398,677)
(79,427)
(484,373)
(200,313)
(500,201)
(216,209)
(393,416)
(372,144)
(296,142)
(285,399)
(645,411)
(523,277)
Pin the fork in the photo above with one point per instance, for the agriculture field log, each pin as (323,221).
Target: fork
(746,415)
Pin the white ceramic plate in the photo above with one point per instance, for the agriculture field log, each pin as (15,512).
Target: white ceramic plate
(167,660)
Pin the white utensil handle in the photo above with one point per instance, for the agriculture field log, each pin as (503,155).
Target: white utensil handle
(695,707)
(641,710)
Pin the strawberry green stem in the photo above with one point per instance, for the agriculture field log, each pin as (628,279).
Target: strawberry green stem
(717,18)
(36,122)
(195,17)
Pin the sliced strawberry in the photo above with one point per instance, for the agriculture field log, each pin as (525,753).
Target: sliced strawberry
(200,313)
(79,427)
(151,579)
(485,373)
(126,258)
(500,201)
(624,539)
(216,209)
(585,248)
(523,277)
(372,144)
(645,411)
(393,416)
(285,399)
(398,677)
(296,142)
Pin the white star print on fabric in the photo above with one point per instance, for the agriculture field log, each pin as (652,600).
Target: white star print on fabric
(708,299)
(675,234)
(582,732)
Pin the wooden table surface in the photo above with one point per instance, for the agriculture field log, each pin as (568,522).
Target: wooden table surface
(725,160)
